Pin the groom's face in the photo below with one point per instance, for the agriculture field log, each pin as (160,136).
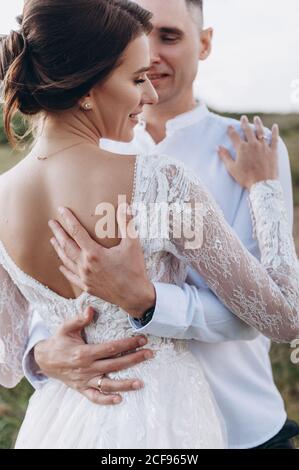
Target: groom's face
(177,43)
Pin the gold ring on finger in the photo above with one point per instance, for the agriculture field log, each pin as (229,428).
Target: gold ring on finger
(99,384)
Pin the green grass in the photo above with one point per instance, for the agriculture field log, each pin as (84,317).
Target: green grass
(8,158)
(13,402)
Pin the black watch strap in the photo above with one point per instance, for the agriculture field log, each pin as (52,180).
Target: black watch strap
(147,317)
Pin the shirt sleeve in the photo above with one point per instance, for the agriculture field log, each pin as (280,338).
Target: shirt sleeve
(189,312)
(37,333)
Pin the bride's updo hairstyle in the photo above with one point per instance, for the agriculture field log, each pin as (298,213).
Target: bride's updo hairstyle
(61,50)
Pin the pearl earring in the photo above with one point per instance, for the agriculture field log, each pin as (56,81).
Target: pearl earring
(87,106)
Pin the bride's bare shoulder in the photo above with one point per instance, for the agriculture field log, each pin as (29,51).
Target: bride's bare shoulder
(31,193)
(96,172)
(92,157)
(21,195)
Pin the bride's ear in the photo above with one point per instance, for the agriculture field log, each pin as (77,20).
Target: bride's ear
(206,37)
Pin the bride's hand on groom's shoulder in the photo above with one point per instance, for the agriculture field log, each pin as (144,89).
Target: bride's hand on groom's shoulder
(256,154)
(67,358)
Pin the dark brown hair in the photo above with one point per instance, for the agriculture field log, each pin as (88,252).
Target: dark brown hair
(64,48)
(196,9)
(196,3)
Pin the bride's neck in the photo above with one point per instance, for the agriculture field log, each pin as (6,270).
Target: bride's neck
(65,128)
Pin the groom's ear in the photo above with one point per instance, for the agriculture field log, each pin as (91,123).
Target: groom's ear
(206,37)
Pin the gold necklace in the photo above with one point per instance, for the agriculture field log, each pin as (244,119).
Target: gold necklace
(44,157)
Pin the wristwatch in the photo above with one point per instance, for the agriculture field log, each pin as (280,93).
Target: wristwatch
(147,317)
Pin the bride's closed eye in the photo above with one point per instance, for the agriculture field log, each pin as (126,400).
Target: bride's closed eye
(140,81)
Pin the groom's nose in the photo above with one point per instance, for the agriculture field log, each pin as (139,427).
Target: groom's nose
(155,59)
(155,50)
(150,96)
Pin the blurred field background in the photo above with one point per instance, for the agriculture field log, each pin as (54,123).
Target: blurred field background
(13,402)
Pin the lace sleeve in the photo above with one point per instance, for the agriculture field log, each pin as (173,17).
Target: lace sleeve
(14,329)
(265,295)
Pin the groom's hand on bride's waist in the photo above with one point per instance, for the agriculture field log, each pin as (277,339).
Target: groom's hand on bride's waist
(67,358)
(117,275)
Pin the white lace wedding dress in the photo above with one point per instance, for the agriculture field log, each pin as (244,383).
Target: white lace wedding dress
(176,408)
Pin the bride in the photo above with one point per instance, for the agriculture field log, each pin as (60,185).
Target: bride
(80,67)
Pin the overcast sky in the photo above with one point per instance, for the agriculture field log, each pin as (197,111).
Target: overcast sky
(254,65)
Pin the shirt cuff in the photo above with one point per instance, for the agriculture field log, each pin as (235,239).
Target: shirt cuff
(169,318)
(30,367)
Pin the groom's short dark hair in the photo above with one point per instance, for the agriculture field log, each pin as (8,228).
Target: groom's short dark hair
(194,4)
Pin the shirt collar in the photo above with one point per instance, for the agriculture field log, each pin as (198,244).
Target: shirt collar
(183,120)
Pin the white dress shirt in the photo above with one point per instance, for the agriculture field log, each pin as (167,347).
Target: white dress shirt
(234,356)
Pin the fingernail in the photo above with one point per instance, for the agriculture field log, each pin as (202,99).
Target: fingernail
(61,210)
(138,385)
(148,355)
(117,399)
(52,241)
(142,341)
(51,223)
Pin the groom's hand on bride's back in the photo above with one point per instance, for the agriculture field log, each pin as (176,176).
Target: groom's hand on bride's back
(66,357)
(117,275)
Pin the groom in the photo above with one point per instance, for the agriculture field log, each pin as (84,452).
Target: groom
(234,356)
